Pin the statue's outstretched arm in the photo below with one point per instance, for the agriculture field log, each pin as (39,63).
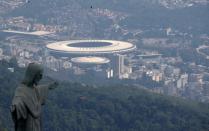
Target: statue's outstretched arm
(53,85)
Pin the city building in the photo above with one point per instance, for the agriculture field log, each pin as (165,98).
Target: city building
(182,81)
(118,66)
(206,89)
(1,51)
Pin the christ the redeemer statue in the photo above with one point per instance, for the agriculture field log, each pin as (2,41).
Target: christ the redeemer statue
(28,100)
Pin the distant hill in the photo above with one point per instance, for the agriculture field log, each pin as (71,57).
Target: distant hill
(185,15)
(9,5)
(175,4)
(78,107)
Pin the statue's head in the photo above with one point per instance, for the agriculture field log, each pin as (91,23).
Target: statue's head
(33,74)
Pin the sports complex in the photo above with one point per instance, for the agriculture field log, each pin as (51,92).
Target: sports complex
(89,53)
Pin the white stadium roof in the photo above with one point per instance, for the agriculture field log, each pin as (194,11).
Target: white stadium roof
(35,33)
(90,60)
(87,46)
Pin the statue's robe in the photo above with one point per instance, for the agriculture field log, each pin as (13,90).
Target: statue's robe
(26,107)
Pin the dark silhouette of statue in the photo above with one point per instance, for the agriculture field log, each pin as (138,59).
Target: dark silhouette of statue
(28,99)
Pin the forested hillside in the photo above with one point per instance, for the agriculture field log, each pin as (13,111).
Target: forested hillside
(137,14)
(78,107)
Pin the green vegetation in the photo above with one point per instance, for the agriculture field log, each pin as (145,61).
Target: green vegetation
(122,109)
(191,55)
(77,107)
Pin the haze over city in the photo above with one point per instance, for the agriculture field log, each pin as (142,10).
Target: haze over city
(157,46)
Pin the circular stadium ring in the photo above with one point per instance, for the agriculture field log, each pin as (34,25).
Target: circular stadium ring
(90,60)
(91,46)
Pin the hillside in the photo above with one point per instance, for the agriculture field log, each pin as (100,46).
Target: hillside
(77,15)
(78,107)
